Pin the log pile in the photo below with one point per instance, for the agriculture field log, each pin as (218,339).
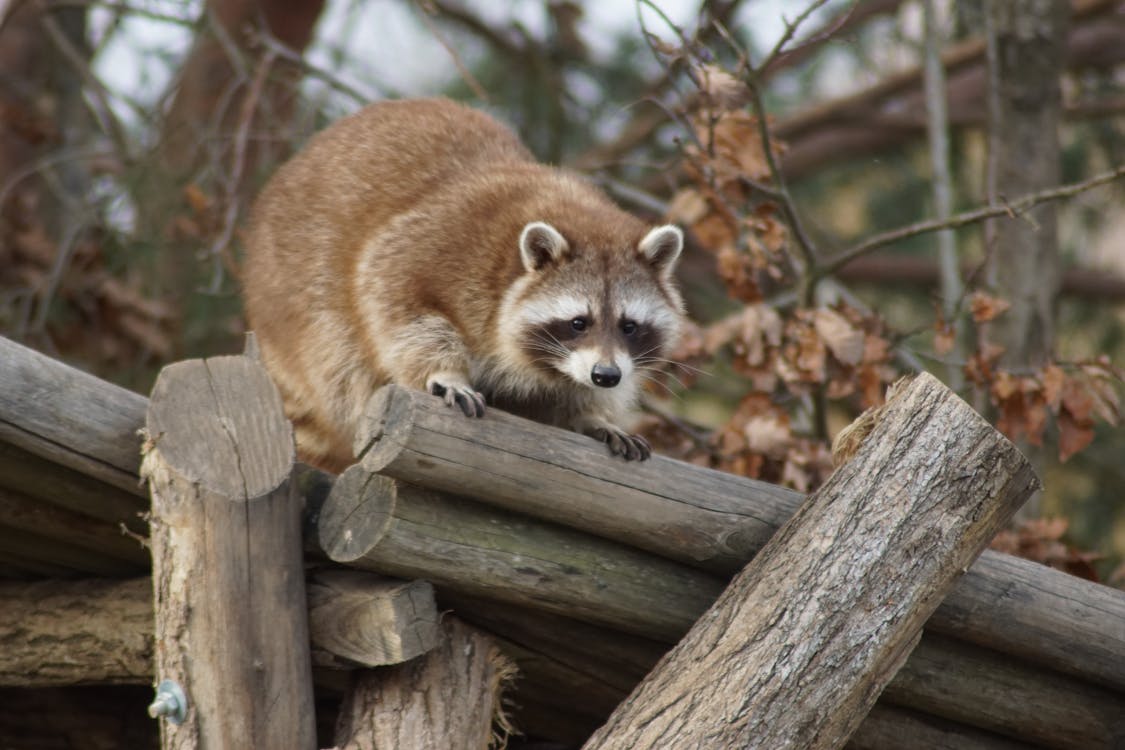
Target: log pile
(584,570)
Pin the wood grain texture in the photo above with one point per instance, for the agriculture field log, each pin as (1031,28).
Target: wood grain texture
(574,675)
(484,551)
(71,633)
(1013,606)
(799,646)
(358,619)
(228,577)
(696,515)
(68,416)
(718,521)
(963,683)
(445,700)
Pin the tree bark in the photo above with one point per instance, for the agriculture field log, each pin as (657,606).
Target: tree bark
(228,576)
(66,633)
(700,516)
(1026,48)
(448,699)
(797,649)
(371,522)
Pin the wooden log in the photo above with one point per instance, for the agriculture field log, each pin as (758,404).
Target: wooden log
(34,516)
(373,523)
(569,478)
(55,633)
(69,417)
(357,619)
(1004,603)
(231,614)
(447,699)
(799,646)
(963,683)
(889,727)
(574,674)
(100,631)
(719,521)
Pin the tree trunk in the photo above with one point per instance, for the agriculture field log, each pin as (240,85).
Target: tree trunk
(797,649)
(448,699)
(1026,47)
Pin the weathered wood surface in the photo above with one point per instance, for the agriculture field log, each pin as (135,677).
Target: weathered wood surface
(68,633)
(799,646)
(374,523)
(719,521)
(100,631)
(689,513)
(963,683)
(445,700)
(357,619)
(56,530)
(228,575)
(889,727)
(69,417)
(1004,603)
(573,675)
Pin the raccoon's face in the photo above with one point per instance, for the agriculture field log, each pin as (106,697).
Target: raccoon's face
(594,315)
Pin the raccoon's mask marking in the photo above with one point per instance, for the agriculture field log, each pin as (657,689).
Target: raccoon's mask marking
(595,318)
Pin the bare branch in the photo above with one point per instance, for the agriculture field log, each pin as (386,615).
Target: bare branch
(466,75)
(1012,208)
(234,179)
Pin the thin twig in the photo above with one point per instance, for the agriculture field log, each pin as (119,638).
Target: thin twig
(1014,209)
(288,54)
(234,179)
(466,74)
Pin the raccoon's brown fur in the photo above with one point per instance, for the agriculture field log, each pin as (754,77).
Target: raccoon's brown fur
(402,245)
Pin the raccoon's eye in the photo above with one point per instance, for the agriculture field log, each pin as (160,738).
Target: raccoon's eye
(629,327)
(579,324)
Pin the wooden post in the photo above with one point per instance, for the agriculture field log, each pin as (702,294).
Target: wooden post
(228,576)
(448,699)
(797,649)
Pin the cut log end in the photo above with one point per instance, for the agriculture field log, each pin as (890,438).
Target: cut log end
(199,404)
(357,514)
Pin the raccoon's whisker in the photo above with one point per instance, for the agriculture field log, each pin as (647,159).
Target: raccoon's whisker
(662,384)
(651,372)
(674,363)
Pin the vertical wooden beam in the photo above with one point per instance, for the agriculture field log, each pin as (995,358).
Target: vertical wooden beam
(231,615)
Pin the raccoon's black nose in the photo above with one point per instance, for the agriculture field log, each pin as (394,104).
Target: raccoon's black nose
(606,376)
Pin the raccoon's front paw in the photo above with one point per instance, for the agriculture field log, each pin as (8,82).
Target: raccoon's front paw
(621,443)
(456,391)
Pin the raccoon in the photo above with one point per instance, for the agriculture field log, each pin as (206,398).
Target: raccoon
(419,243)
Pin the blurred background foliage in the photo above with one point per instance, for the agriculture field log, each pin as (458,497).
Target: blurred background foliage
(134,135)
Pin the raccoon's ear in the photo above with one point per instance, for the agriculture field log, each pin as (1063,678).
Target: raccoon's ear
(661,247)
(540,245)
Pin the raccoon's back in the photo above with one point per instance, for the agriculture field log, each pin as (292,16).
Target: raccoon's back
(361,172)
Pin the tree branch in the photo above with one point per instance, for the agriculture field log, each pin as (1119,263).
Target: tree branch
(1012,208)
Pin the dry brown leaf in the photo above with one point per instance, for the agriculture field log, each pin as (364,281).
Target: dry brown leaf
(722,90)
(985,307)
(1074,434)
(944,337)
(1053,379)
(768,434)
(687,207)
(842,339)
(198,200)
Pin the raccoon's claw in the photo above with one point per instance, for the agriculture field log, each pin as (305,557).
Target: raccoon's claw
(471,402)
(621,443)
